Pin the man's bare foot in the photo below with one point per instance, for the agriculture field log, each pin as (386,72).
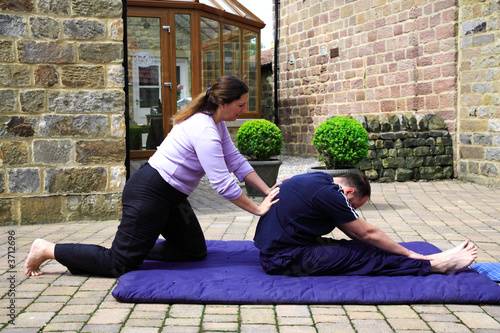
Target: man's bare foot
(453,260)
(41,250)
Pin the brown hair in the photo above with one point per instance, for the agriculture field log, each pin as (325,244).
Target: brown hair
(226,89)
(359,182)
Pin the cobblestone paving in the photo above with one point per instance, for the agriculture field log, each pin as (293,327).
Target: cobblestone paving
(443,213)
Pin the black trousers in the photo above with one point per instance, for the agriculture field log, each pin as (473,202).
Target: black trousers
(151,207)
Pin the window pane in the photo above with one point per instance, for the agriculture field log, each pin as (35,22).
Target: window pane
(183,59)
(144,63)
(231,40)
(210,53)
(250,67)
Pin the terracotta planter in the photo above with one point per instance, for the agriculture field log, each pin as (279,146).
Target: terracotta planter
(268,171)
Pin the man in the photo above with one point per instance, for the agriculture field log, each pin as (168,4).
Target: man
(311,205)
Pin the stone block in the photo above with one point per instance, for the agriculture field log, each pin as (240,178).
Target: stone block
(483,39)
(8,101)
(2,182)
(393,153)
(83,76)
(7,216)
(100,151)
(33,52)
(17,127)
(96,207)
(32,101)
(52,151)
(390,162)
(24,180)
(118,126)
(116,30)
(483,139)
(6,51)
(469,152)
(385,126)
(411,122)
(388,136)
(75,180)
(46,76)
(387,175)
(371,174)
(382,153)
(488,169)
(444,160)
(116,76)
(388,144)
(14,76)
(492,154)
(38,210)
(431,172)
(403,175)
(435,122)
(429,161)
(494,125)
(75,126)
(12,25)
(422,122)
(448,172)
(404,152)
(373,123)
(86,101)
(84,29)
(58,7)
(99,8)
(365,164)
(45,27)
(13,153)
(430,142)
(118,178)
(99,53)
(414,162)
(474,167)
(436,150)
(377,164)
(473,27)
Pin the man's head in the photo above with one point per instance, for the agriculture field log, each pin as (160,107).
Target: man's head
(356,187)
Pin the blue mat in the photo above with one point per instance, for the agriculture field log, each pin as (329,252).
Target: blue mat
(232,274)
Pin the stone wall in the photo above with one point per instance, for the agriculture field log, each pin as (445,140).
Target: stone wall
(347,57)
(62,127)
(479,92)
(407,147)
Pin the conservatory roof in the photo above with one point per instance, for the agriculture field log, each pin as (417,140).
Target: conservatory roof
(230,6)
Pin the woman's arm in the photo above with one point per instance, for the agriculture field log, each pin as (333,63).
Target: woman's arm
(245,203)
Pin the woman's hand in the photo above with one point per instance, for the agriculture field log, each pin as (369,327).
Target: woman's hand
(278,184)
(268,201)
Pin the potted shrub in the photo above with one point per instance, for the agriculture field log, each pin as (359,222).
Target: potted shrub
(342,143)
(259,140)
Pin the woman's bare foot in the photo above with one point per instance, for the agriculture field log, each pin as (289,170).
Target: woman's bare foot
(453,260)
(41,250)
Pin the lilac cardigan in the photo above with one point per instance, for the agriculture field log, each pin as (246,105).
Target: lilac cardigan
(195,147)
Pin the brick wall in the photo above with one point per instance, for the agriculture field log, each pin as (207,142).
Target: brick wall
(479,92)
(62,128)
(366,57)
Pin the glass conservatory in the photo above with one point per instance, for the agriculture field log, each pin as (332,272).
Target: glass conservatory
(175,50)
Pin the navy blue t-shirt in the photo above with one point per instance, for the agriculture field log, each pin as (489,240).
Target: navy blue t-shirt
(310,206)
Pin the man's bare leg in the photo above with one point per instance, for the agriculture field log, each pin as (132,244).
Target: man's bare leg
(41,250)
(453,260)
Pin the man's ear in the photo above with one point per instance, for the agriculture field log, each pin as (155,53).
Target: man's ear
(348,189)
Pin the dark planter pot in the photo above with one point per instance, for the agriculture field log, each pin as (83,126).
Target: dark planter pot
(334,172)
(268,171)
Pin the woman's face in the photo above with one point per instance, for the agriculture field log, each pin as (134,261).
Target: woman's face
(231,111)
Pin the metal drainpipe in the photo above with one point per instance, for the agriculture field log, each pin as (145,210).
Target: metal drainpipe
(276,66)
(127,107)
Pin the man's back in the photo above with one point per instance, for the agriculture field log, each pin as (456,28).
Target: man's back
(310,206)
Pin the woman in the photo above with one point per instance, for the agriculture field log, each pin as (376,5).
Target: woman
(155,198)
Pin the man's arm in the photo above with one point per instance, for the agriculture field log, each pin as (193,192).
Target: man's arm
(361,230)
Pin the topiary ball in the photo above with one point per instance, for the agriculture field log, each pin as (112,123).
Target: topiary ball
(259,139)
(340,142)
